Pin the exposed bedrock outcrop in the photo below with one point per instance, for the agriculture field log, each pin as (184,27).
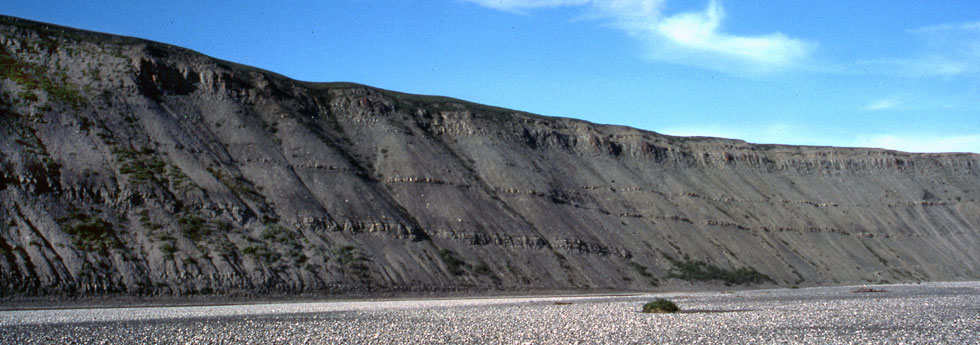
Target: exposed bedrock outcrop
(128,166)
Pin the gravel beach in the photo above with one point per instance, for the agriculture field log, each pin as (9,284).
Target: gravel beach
(934,313)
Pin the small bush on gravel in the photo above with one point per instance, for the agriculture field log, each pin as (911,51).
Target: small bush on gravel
(867,289)
(660,306)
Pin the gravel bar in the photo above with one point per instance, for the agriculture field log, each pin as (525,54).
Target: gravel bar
(931,313)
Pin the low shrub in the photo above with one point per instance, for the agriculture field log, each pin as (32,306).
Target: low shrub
(143,165)
(483,269)
(660,306)
(692,270)
(276,233)
(867,289)
(350,261)
(193,227)
(642,270)
(90,233)
(261,253)
(237,184)
(168,249)
(454,264)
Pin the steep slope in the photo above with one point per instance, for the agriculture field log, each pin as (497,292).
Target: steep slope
(129,166)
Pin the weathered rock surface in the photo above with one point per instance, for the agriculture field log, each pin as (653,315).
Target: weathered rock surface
(128,166)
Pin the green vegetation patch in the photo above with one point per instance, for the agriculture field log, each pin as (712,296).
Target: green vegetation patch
(144,218)
(143,165)
(168,243)
(193,227)
(881,259)
(642,270)
(90,233)
(237,184)
(38,161)
(37,77)
(168,247)
(697,270)
(263,248)
(350,260)
(262,253)
(483,269)
(276,233)
(661,306)
(454,264)
(177,178)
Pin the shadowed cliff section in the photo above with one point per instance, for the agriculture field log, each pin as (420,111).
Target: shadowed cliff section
(134,167)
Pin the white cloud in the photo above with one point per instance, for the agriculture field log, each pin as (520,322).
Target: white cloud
(716,132)
(699,32)
(974,26)
(692,38)
(516,5)
(794,135)
(935,143)
(948,50)
(777,133)
(882,104)
(638,11)
(932,65)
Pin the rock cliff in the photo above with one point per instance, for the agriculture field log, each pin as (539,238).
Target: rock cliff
(135,167)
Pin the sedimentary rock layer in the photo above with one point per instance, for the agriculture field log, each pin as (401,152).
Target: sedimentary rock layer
(129,166)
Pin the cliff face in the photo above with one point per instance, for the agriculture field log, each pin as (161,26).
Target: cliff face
(128,166)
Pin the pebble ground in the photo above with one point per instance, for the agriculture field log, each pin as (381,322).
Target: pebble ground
(937,313)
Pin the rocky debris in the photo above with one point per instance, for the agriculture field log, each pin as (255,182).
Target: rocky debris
(134,167)
(930,313)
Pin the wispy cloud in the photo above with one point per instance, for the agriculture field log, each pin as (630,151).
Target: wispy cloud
(697,35)
(933,143)
(691,38)
(517,5)
(882,104)
(716,132)
(948,50)
(776,133)
(969,26)
(797,135)
(930,65)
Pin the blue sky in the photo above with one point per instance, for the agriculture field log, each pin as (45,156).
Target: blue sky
(895,74)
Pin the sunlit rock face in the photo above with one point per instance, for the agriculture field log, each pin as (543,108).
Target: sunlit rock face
(134,167)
